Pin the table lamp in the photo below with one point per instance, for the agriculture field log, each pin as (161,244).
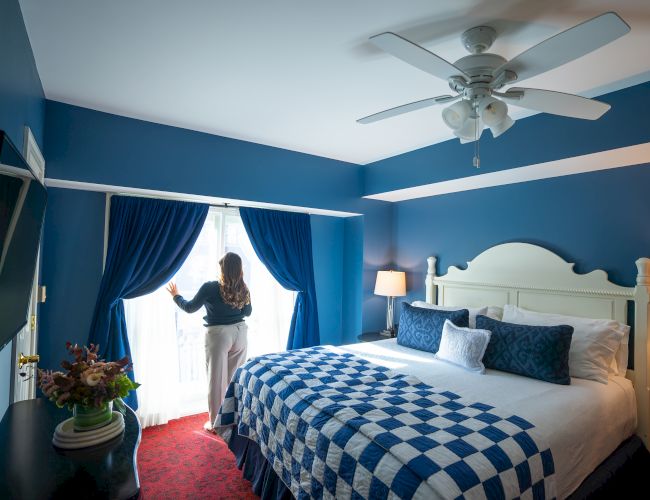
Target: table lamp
(390,284)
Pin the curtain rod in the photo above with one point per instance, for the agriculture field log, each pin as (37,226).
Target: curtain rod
(223,205)
(172,198)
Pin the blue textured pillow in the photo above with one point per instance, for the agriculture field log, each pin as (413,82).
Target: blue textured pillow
(540,352)
(422,328)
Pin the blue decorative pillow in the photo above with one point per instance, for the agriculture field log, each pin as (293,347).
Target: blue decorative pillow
(422,328)
(540,352)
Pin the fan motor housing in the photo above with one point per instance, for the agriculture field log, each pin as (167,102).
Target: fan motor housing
(480,65)
(480,69)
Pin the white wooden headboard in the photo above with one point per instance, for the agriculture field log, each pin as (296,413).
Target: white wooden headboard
(534,278)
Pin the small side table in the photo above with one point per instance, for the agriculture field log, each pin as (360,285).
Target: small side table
(372,337)
(30,467)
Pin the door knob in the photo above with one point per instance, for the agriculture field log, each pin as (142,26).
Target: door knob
(24,360)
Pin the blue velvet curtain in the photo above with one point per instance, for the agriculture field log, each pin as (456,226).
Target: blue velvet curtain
(148,241)
(282,241)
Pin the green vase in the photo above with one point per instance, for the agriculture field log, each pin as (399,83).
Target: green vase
(87,418)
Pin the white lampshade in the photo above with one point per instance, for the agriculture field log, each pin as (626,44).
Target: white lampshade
(468,132)
(499,129)
(492,111)
(457,114)
(390,284)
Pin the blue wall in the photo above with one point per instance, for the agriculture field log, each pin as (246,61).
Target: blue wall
(21,103)
(595,219)
(328,235)
(21,94)
(536,139)
(90,146)
(353,270)
(73,248)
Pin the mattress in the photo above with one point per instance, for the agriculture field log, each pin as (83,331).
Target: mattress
(583,422)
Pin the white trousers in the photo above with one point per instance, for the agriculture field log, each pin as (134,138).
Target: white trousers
(225,351)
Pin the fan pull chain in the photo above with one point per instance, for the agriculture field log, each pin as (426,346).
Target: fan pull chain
(476,161)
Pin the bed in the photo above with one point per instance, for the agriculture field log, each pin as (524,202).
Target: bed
(580,425)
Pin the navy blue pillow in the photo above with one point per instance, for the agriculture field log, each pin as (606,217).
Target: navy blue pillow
(540,352)
(421,328)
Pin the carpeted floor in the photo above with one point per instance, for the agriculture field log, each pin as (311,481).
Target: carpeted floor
(180,460)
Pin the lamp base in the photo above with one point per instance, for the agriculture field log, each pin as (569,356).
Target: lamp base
(387,333)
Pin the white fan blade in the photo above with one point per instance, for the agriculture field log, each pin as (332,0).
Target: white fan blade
(406,108)
(558,103)
(415,55)
(566,46)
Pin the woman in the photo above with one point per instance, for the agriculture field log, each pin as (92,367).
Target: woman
(227,303)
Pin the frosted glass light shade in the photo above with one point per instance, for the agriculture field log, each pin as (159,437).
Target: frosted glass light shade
(493,111)
(468,132)
(390,284)
(457,114)
(499,129)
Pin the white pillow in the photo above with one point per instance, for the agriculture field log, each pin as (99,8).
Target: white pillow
(623,354)
(473,311)
(494,312)
(593,345)
(464,347)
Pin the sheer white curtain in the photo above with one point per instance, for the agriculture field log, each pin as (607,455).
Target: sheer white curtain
(151,326)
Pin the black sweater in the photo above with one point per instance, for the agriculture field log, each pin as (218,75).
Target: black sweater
(219,313)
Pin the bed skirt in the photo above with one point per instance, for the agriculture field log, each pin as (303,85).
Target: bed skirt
(256,469)
(620,474)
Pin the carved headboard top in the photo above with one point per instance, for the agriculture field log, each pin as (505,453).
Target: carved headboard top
(526,266)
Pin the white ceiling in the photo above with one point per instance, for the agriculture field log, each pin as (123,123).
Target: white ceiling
(296,74)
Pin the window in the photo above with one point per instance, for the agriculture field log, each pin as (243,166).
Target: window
(167,345)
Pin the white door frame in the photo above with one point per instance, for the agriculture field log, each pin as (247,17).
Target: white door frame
(23,381)
(26,342)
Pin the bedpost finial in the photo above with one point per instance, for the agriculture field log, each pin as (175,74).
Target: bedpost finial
(431,269)
(643,271)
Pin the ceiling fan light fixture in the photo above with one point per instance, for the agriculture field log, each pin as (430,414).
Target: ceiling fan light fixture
(493,111)
(456,115)
(470,131)
(478,79)
(500,128)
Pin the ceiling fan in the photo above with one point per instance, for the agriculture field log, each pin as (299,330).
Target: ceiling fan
(477,79)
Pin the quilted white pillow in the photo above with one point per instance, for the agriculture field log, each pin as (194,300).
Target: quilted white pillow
(594,343)
(473,311)
(464,347)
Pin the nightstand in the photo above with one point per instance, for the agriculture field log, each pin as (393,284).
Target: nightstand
(30,467)
(371,337)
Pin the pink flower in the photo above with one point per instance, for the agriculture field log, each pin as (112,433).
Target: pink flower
(92,377)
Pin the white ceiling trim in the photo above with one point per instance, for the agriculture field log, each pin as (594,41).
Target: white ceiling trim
(604,160)
(211,200)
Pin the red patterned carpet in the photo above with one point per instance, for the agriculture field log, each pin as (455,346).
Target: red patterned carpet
(181,460)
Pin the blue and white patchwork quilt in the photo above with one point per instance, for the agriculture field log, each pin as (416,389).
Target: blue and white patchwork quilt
(337,426)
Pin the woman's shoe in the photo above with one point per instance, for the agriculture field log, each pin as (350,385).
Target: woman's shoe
(208,427)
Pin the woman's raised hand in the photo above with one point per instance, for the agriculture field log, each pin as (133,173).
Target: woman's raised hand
(172,289)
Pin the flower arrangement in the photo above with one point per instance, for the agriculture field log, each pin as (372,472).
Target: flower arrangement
(88,381)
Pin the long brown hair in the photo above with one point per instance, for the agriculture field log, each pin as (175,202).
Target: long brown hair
(234,291)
